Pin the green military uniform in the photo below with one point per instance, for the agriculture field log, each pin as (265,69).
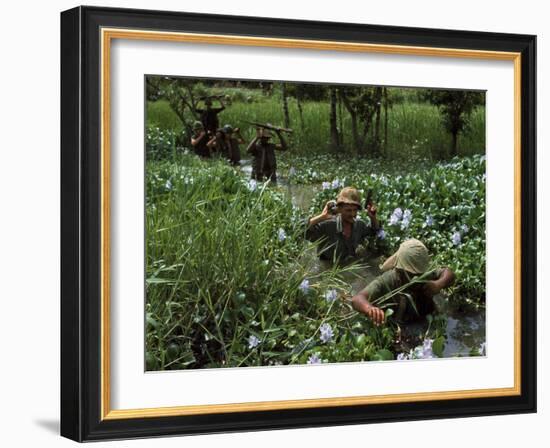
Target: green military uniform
(334,245)
(396,278)
(234,151)
(265,163)
(200,147)
(232,145)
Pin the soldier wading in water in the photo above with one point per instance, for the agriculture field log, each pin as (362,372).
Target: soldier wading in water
(264,164)
(416,301)
(339,230)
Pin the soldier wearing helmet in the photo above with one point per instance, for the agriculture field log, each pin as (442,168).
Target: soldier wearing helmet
(262,149)
(338,229)
(233,139)
(412,260)
(199,140)
(209,116)
(226,143)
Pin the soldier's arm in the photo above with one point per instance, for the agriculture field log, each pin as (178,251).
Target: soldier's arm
(314,230)
(211,143)
(282,146)
(239,137)
(251,148)
(446,278)
(360,302)
(196,141)
(371,212)
(219,109)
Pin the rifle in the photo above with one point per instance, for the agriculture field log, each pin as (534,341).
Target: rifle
(269,126)
(368,200)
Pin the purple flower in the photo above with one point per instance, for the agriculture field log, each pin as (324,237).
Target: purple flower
(326,333)
(304,286)
(398,213)
(281,235)
(336,183)
(394,220)
(252,185)
(314,359)
(325,185)
(402,357)
(381,234)
(427,348)
(464,228)
(456,238)
(331,295)
(429,221)
(253,341)
(423,351)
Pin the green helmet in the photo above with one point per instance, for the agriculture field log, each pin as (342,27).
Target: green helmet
(228,129)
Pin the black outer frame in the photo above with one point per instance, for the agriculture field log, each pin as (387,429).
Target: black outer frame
(81,221)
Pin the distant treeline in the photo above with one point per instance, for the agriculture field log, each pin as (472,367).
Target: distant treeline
(369,121)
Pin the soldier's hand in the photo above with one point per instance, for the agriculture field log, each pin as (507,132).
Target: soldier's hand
(375,314)
(431,288)
(326,210)
(371,210)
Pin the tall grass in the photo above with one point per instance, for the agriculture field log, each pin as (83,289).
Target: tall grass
(413,128)
(226,264)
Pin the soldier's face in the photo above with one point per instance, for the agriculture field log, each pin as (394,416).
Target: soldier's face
(348,212)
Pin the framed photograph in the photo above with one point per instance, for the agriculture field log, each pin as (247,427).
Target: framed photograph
(276,224)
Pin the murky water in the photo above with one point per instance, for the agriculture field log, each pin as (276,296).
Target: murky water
(464,331)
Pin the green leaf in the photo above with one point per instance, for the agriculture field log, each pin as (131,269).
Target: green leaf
(438,346)
(383,355)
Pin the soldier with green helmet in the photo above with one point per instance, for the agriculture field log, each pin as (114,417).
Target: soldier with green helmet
(199,140)
(411,261)
(262,149)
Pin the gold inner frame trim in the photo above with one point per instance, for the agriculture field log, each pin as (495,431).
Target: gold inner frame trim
(107,35)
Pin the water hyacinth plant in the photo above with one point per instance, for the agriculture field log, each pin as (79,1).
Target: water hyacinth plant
(326,333)
(449,200)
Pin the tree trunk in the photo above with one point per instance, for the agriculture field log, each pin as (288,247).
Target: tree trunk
(285,105)
(385,122)
(454,147)
(334,139)
(377,109)
(363,140)
(341,124)
(354,132)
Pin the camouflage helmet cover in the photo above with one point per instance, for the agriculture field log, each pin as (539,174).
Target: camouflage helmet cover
(349,195)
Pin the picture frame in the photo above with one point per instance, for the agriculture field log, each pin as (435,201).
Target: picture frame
(86,278)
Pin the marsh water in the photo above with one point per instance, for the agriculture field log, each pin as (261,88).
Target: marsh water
(464,330)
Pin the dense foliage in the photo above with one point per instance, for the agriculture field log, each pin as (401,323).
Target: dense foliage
(230,280)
